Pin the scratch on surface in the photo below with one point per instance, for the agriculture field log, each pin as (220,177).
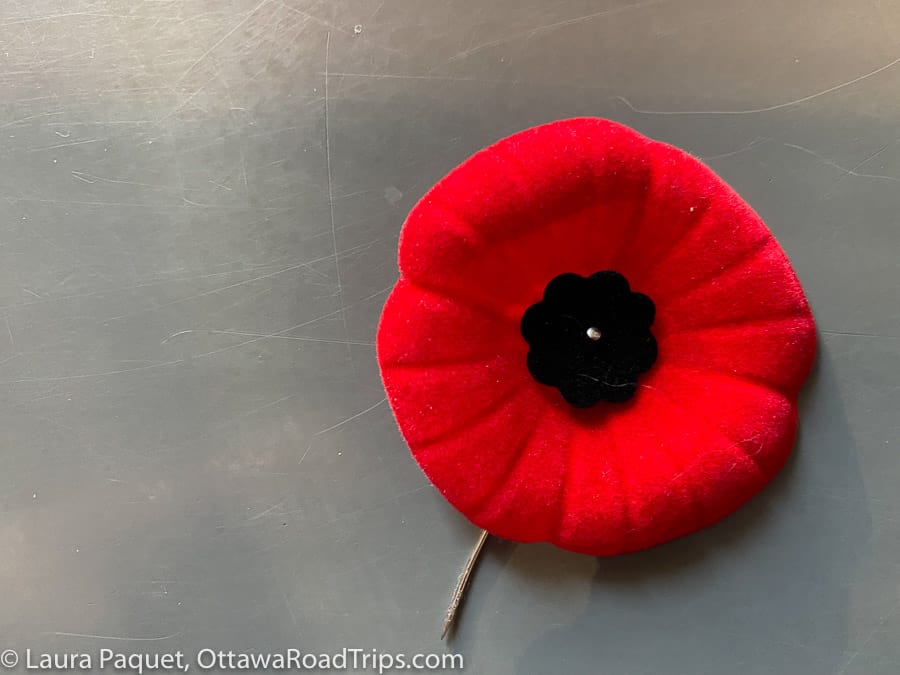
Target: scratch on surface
(55,392)
(284,270)
(272,54)
(183,103)
(12,340)
(334,27)
(871,636)
(222,39)
(287,604)
(269,336)
(288,329)
(750,111)
(68,15)
(436,78)
(305,453)
(337,264)
(115,637)
(864,335)
(835,165)
(83,376)
(752,144)
(30,117)
(212,291)
(70,253)
(174,362)
(337,426)
(145,284)
(238,303)
(244,169)
(545,28)
(186,205)
(191,202)
(269,404)
(356,512)
(354,194)
(859,165)
(79,176)
(10,358)
(267,511)
(68,145)
(90,178)
(351,418)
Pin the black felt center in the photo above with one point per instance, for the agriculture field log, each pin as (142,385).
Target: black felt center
(590,337)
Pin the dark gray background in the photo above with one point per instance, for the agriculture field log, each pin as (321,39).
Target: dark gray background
(200,207)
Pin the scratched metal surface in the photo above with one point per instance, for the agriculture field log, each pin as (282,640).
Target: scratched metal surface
(200,207)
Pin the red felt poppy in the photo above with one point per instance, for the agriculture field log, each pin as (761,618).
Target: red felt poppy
(608,412)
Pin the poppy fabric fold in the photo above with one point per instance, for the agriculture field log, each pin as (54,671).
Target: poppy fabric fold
(594,341)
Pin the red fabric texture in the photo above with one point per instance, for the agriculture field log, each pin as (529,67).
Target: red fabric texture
(713,420)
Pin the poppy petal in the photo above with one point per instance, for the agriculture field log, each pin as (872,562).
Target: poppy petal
(421,327)
(741,294)
(757,421)
(727,234)
(662,482)
(471,463)
(526,505)
(773,352)
(482,233)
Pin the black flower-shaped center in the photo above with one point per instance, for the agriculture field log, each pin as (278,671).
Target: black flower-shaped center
(590,337)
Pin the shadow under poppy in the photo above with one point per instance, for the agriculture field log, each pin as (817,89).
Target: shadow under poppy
(762,591)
